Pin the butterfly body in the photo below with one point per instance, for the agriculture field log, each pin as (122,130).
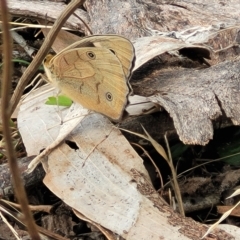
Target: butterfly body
(94,72)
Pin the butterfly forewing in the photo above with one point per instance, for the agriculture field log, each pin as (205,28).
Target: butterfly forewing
(119,46)
(93,77)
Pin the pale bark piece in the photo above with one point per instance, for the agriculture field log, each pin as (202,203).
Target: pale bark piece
(77,113)
(47,10)
(194,98)
(139,105)
(37,119)
(233,230)
(32,110)
(91,180)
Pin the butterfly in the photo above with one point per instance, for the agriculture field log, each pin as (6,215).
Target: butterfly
(95,73)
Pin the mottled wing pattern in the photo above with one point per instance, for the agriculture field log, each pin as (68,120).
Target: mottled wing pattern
(120,46)
(93,77)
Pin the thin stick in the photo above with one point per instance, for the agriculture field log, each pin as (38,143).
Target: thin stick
(84,23)
(6,83)
(30,71)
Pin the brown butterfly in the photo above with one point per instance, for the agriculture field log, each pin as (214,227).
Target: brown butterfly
(94,72)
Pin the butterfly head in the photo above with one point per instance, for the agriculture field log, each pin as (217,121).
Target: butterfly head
(47,64)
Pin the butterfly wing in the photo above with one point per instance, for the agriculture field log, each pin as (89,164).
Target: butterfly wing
(93,77)
(120,46)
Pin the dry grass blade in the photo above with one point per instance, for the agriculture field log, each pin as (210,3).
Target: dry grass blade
(224,216)
(159,148)
(168,158)
(174,177)
(10,226)
(163,153)
(17,216)
(28,25)
(237,192)
(154,164)
(36,208)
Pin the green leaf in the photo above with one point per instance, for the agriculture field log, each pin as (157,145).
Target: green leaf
(60,101)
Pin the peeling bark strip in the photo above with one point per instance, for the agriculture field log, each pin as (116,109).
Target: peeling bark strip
(194,98)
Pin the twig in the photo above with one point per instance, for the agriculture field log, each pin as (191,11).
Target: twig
(84,23)
(7,70)
(30,71)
